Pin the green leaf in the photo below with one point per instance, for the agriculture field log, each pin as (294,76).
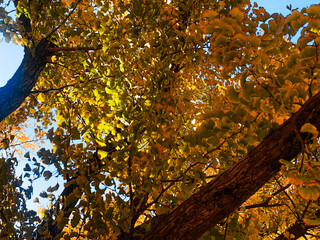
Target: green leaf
(285,162)
(221,40)
(237,14)
(308,52)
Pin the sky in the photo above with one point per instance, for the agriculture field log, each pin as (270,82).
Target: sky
(11,54)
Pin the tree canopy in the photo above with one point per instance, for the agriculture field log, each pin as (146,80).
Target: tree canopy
(167,119)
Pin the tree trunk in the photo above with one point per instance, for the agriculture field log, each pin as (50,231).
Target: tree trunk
(220,197)
(19,86)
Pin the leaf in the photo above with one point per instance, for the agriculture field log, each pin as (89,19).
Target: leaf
(75,218)
(311,222)
(314,10)
(309,128)
(233,95)
(41,97)
(102,154)
(27,155)
(43,194)
(47,175)
(285,162)
(209,13)
(309,192)
(221,40)
(52,189)
(308,52)
(237,14)
(27,168)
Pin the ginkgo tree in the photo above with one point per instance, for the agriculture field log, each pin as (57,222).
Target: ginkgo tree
(168,120)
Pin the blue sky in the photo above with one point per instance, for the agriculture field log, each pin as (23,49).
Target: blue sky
(11,54)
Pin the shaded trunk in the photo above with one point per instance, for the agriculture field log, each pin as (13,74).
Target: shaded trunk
(19,86)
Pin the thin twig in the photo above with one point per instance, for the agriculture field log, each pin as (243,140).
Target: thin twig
(66,18)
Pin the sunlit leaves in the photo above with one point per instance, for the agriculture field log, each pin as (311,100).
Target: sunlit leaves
(166,96)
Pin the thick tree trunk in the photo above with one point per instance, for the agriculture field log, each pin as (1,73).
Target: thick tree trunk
(220,197)
(19,86)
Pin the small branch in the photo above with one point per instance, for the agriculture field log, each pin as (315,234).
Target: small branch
(66,18)
(52,89)
(67,86)
(266,202)
(306,209)
(290,199)
(169,186)
(72,49)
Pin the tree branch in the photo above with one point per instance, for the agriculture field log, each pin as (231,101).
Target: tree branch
(220,197)
(297,230)
(266,202)
(20,85)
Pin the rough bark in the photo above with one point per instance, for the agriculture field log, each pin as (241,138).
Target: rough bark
(220,197)
(19,86)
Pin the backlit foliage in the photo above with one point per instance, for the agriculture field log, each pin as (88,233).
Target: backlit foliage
(145,101)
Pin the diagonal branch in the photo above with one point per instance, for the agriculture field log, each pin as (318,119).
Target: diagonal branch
(266,202)
(20,85)
(220,197)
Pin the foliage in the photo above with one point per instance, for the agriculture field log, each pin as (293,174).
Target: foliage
(145,101)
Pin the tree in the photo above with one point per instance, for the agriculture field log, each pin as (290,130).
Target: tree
(168,120)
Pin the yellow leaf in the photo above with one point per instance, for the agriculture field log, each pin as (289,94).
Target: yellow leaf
(209,13)
(309,128)
(314,10)
(41,97)
(309,192)
(102,154)
(311,222)
(181,107)
(237,14)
